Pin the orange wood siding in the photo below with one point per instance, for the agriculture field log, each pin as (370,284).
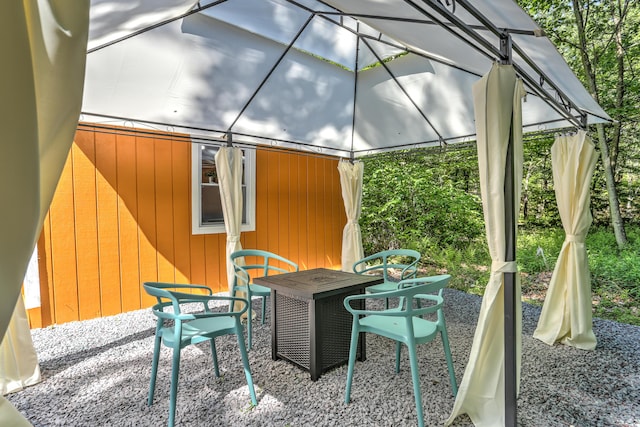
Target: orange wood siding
(122,215)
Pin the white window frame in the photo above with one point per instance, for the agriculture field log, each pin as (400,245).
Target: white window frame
(197,227)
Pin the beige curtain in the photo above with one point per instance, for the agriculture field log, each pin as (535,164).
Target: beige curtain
(351,182)
(498,113)
(229,168)
(566,313)
(18,359)
(10,417)
(44,44)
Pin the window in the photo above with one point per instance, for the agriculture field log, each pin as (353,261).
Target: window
(206,209)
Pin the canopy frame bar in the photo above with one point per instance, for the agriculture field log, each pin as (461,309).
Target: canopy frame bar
(404,91)
(498,32)
(272,140)
(195,10)
(271,71)
(356,72)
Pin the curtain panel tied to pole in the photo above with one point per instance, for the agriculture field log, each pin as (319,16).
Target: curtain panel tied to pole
(229,167)
(351,176)
(498,105)
(566,313)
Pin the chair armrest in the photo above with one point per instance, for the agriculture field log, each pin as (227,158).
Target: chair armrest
(436,303)
(286,261)
(364,260)
(404,308)
(184,298)
(409,271)
(364,312)
(170,286)
(242,277)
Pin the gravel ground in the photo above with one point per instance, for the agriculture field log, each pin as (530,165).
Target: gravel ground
(96,373)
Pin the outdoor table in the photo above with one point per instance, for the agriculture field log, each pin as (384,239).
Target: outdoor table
(309,325)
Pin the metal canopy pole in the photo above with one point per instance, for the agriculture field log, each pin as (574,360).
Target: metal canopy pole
(268,76)
(470,32)
(509,278)
(404,91)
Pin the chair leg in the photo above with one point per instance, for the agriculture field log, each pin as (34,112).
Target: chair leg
(245,362)
(249,322)
(413,359)
(398,348)
(447,355)
(264,308)
(353,350)
(175,370)
(154,368)
(214,353)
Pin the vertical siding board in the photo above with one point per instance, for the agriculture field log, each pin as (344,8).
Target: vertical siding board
(324,210)
(108,241)
(181,154)
(303,211)
(197,259)
(273,201)
(212,261)
(262,196)
(223,281)
(164,210)
(329,214)
(330,219)
(321,234)
(85,219)
(313,243)
(284,195)
(294,209)
(128,222)
(145,172)
(249,238)
(63,249)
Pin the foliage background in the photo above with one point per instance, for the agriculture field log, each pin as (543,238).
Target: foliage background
(429,200)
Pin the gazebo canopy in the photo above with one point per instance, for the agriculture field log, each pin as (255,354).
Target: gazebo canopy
(338,77)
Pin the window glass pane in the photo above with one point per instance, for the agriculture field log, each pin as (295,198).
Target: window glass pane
(210,202)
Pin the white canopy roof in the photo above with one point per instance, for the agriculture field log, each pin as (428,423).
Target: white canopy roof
(339,77)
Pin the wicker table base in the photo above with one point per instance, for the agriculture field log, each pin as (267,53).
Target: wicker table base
(309,325)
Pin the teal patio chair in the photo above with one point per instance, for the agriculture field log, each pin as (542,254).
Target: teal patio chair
(178,329)
(383,263)
(263,263)
(405,324)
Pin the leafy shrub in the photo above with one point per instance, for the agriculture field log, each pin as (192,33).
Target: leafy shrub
(407,204)
(431,203)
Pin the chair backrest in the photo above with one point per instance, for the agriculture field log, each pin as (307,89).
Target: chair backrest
(405,260)
(263,263)
(422,289)
(174,295)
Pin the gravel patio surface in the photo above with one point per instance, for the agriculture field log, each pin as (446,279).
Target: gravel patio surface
(96,373)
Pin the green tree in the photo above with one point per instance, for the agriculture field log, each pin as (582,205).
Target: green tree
(600,42)
(421,199)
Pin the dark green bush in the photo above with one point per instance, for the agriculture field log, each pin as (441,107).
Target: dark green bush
(430,202)
(409,203)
